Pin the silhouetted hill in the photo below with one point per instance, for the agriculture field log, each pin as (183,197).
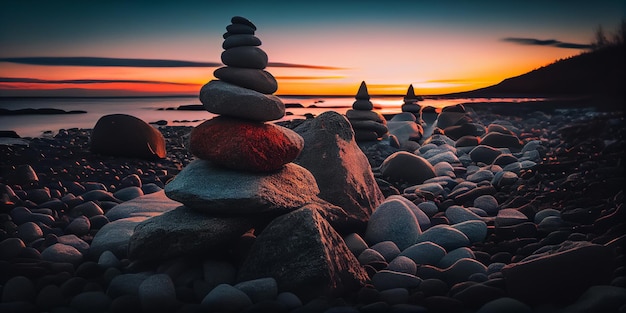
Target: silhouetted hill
(595,73)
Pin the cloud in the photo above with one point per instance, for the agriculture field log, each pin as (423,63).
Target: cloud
(548,42)
(126,62)
(86,81)
(308,77)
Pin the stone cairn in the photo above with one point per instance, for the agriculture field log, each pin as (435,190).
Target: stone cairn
(410,104)
(367,124)
(242,96)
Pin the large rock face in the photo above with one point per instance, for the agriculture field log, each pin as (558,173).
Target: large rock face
(214,190)
(128,136)
(341,170)
(184,231)
(305,255)
(561,275)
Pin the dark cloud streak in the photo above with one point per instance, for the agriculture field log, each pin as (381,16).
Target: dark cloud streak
(86,81)
(548,42)
(125,62)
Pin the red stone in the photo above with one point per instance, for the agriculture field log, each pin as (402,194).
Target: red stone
(245,145)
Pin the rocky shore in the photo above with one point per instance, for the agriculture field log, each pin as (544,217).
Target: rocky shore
(527,219)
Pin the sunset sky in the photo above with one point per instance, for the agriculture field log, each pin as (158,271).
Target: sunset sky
(125,48)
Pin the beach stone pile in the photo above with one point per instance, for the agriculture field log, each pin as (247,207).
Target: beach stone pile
(410,104)
(368,125)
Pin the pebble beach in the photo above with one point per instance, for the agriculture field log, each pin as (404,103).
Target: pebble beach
(563,209)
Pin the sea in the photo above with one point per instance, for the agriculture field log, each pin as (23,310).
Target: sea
(153,109)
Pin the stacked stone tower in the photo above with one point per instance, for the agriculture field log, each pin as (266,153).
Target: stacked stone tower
(367,124)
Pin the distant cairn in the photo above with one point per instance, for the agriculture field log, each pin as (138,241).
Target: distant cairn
(367,124)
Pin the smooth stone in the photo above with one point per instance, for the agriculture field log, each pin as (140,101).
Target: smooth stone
(88,209)
(499,140)
(147,205)
(363,105)
(392,221)
(222,98)
(444,236)
(126,135)
(236,28)
(424,253)
(250,78)
(444,169)
(411,107)
(184,231)
(157,293)
(11,248)
(74,241)
(405,131)
(18,288)
(428,207)
(245,56)
(354,241)
(467,141)
(366,115)
(487,203)
(484,153)
(23,175)
(481,175)
(227,298)
(290,300)
(458,214)
(402,264)
(462,269)
(395,296)
(476,295)
(108,259)
(62,253)
(50,297)
(369,256)
(403,117)
(115,237)
(365,135)
(126,284)
(406,167)
(262,289)
(79,226)
(448,118)
(422,219)
(128,193)
(388,249)
(447,156)
(509,217)
(207,188)
(242,20)
(545,213)
(29,232)
(475,230)
(237,40)
(453,256)
(245,145)
(386,279)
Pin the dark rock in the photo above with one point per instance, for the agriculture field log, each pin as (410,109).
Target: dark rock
(407,168)
(245,56)
(305,255)
(184,231)
(255,79)
(125,135)
(237,40)
(341,170)
(222,98)
(544,279)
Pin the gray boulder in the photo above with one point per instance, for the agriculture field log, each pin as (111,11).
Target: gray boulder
(341,170)
(207,188)
(127,136)
(184,231)
(305,255)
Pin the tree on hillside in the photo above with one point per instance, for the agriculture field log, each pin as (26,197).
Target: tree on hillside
(602,40)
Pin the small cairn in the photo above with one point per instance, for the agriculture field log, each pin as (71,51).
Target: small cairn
(410,104)
(367,124)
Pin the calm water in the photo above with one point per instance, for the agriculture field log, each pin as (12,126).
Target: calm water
(147,109)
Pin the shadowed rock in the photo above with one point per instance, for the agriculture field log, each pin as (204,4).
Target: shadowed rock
(128,136)
(207,188)
(305,255)
(341,169)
